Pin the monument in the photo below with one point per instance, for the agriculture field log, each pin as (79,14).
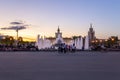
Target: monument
(80,43)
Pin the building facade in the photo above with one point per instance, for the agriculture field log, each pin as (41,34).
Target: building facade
(58,33)
(91,33)
(59,39)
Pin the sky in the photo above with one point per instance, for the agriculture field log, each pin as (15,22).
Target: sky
(72,16)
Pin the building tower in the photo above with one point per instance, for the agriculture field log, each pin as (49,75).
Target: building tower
(91,33)
(58,34)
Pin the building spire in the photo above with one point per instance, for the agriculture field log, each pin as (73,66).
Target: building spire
(58,29)
(91,25)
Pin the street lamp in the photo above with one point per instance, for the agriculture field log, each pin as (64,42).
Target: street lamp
(112,39)
(96,41)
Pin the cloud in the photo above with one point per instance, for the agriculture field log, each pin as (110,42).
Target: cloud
(16,26)
(16,23)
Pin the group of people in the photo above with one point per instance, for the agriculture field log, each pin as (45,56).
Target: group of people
(23,47)
(63,48)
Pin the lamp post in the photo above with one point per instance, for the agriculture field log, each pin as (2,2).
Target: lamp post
(112,41)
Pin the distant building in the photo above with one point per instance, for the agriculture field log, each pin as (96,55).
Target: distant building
(91,33)
(58,33)
(59,38)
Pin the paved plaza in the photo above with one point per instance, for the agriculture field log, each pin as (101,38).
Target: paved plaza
(59,66)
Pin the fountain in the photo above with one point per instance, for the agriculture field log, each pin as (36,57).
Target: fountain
(78,43)
(71,42)
(81,43)
(46,43)
(59,39)
(86,46)
(37,41)
(43,43)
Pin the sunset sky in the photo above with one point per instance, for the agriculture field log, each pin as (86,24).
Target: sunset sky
(73,17)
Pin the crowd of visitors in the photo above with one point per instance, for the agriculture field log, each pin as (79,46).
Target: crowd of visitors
(23,47)
(63,48)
